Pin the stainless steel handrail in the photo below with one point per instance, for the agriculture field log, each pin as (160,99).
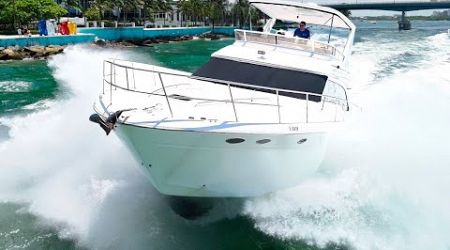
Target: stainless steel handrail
(229,84)
(235,83)
(188,97)
(334,51)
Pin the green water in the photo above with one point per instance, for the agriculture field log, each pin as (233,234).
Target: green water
(23,83)
(26,231)
(187,56)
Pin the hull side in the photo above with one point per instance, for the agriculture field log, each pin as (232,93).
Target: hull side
(199,164)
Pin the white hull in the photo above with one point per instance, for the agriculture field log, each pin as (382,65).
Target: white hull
(199,164)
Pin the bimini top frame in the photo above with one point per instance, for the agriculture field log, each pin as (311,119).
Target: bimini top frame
(294,11)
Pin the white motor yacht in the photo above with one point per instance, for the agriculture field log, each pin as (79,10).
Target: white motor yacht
(251,121)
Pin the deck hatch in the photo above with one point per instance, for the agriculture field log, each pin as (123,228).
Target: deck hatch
(259,75)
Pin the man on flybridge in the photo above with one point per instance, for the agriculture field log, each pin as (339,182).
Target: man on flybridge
(302,31)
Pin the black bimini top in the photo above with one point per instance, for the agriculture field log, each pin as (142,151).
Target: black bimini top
(259,75)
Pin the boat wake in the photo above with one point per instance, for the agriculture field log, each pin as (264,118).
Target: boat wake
(385,179)
(383,184)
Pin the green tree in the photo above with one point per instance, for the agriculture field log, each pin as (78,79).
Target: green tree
(71,3)
(347,13)
(101,6)
(19,12)
(186,7)
(93,13)
(214,9)
(240,11)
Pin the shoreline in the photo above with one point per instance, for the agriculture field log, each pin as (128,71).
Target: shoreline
(42,52)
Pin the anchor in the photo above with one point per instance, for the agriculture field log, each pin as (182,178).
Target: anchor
(108,124)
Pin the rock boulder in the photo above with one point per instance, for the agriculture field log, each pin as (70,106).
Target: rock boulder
(36,51)
(53,49)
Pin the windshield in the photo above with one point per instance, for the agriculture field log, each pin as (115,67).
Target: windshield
(333,36)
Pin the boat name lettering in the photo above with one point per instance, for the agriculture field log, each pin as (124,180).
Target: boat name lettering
(293,128)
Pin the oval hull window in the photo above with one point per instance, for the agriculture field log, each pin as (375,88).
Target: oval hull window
(301,141)
(263,141)
(234,140)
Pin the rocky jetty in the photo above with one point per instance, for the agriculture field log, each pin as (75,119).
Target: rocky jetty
(36,51)
(211,36)
(150,42)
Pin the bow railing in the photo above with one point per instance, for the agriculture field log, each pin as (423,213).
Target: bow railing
(128,76)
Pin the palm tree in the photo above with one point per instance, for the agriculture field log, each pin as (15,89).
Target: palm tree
(156,6)
(240,11)
(214,9)
(187,9)
(101,6)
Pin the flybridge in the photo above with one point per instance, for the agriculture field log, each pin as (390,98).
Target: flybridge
(312,14)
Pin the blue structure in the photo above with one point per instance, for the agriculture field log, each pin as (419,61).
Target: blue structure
(139,33)
(396,5)
(24,41)
(42,25)
(228,31)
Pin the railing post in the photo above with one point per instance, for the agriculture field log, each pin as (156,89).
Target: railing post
(134,79)
(165,94)
(110,83)
(245,36)
(278,105)
(307,100)
(232,103)
(115,78)
(126,75)
(103,77)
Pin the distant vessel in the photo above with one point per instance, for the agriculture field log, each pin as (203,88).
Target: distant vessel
(251,121)
(373,22)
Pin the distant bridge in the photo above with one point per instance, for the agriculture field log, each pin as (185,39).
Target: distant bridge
(396,5)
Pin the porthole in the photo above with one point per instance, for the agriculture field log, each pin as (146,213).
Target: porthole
(263,141)
(235,140)
(301,141)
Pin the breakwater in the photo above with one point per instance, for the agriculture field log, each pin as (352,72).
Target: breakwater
(20,47)
(88,35)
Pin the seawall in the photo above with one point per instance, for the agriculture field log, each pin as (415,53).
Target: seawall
(139,33)
(24,41)
(88,35)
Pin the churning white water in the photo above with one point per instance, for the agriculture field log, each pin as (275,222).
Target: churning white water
(383,185)
(387,175)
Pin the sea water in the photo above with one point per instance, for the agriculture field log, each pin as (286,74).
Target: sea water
(384,183)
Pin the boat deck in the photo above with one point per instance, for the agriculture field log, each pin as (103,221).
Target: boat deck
(162,98)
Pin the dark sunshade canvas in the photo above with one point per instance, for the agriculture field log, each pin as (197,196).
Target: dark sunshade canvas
(258,75)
